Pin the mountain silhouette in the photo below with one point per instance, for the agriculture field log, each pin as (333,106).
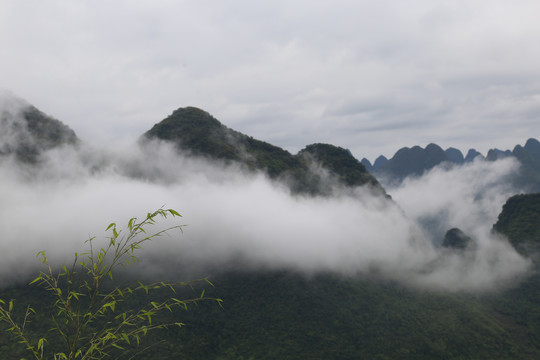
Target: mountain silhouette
(26,132)
(194,131)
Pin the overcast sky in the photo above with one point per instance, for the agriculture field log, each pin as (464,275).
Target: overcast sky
(371,76)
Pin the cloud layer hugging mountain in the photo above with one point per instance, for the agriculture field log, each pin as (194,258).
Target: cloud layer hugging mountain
(243,219)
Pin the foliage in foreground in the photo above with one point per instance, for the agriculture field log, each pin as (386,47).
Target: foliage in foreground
(92,317)
(285,315)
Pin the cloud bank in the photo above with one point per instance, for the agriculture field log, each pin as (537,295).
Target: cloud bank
(239,219)
(247,221)
(468,197)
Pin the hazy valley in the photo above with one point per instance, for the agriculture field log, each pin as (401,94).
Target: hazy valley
(428,255)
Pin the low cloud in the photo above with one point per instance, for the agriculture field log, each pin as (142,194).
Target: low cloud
(245,220)
(467,197)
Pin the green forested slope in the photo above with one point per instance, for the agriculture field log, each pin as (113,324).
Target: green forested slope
(341,163)
(31,132)
(195,131)
(520,221)
(282,315)
(286,316)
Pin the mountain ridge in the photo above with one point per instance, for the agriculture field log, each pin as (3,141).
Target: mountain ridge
(416,161)
(197,132)
(203,135)
(27,132)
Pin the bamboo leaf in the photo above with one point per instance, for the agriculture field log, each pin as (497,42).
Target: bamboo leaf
(125,337)
(40,344)
(117,346)
(174,213)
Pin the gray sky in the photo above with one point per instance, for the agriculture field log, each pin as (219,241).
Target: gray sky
(371,76)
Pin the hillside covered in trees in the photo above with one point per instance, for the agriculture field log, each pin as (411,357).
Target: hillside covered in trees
(285,315)
(194,131)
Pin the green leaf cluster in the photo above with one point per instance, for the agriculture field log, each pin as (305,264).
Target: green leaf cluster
(92,316)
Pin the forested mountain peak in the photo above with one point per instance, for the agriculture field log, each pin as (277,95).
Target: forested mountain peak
(412,161)
(533,146)
(192,116)
(454,155)
(195,131)
(341,162)
(520,221)
(26,132)
(456,239)
(471,155)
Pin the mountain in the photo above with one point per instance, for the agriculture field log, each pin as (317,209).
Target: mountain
(496,154)
(286,315)
(26,132)
(280,315)
(412,161)
(520,221)
(380,161)
(340,162)
(529,157)
(454,155)
(196,132)
(472,154)
(416,160)
(456,239)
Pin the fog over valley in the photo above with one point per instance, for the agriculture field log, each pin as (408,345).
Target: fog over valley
(243,219)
